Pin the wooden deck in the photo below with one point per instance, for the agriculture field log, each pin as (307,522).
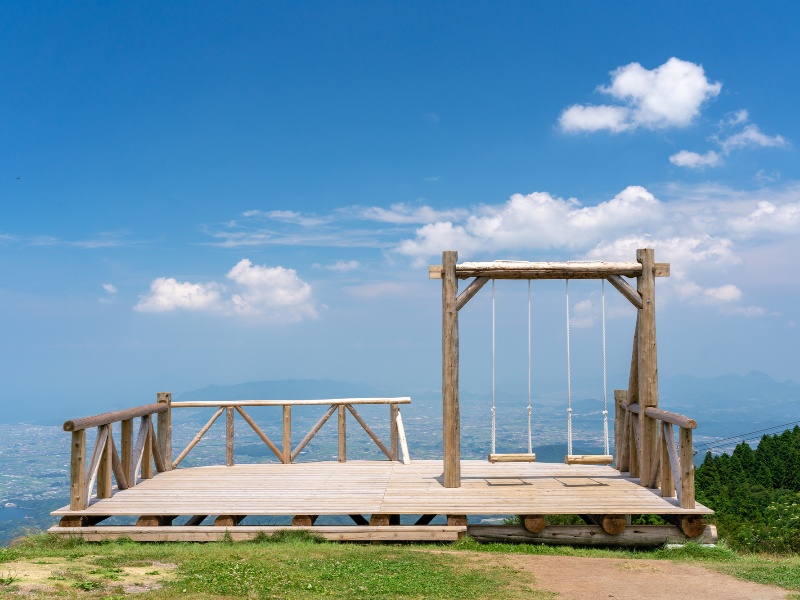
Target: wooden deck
(373,487)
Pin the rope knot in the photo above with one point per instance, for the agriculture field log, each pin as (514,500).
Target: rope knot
(605,413)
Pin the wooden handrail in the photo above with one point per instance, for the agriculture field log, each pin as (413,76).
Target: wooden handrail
(662,415)
(670,417)
(328,402)
(115,416)
(672,466)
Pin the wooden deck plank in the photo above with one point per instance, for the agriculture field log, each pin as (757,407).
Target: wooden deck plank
(373,487)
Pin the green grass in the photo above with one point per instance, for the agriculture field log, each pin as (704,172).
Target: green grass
(298,565)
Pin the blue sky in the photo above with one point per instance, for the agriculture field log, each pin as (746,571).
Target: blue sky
(196,193)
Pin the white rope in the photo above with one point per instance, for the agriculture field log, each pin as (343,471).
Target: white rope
(605,385)
(493,345)
(530,437)
(569,382)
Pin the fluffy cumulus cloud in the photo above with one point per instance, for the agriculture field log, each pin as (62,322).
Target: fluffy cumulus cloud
(167,293)
(274,293)
(539,220)
(701,232)
(668,96)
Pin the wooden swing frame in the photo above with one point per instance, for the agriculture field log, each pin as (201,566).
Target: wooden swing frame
(643,384)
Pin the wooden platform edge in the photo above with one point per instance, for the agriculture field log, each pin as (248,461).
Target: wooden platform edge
(586,535)
(205,533)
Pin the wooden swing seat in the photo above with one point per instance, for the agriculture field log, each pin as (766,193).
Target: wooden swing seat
(495,458)
(588,459)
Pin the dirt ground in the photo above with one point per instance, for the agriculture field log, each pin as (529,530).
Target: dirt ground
(575,578)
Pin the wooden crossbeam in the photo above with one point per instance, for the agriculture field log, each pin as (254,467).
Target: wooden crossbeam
(97,454)
(513,269)
(249,420)
(369,431)
(197,438)
(314,430)
(472,289)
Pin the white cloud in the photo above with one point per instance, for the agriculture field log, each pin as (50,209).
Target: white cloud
(402,213)
(274,293)
(340,266)
(693,160)
(596,118)
(751,136)
(110,288)
(538,220)
(581,314)
(703,231)
(167,294)
(668,96)
(271,291)
(721,294)
(286,216)
(767,217)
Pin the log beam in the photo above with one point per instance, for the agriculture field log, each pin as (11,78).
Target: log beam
(533,523)
(611,524)
(155,520)
(228,520)
(692,525)
(513,269)
(642,536)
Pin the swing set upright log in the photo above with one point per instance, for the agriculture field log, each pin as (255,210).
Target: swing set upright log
(642,458)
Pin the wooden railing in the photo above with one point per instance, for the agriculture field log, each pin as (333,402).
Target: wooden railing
(152,447)
(672,467)
(287,455)
(136,457)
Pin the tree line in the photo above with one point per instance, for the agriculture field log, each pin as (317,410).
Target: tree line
(755,493)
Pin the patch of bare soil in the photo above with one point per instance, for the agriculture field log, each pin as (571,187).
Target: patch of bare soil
(576,578)
(81,577)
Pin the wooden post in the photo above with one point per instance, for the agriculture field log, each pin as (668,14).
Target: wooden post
(287,434)
(451,418)
(620,456)
(667,482)
(393,435)
(648,364)
(104,483)
(229,436)
(342,433)
(633,398)
(77,471)
(127,452)
(147,454)
(164,424)
(687,467)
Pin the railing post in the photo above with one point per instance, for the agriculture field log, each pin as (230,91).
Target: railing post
(393,436)
(229,436)
(287,434)
(104,482)
(77,471)
(667,481)
(127,452)
(620,396)
(164,424)
(342,433)
(147,454)
(687,467)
